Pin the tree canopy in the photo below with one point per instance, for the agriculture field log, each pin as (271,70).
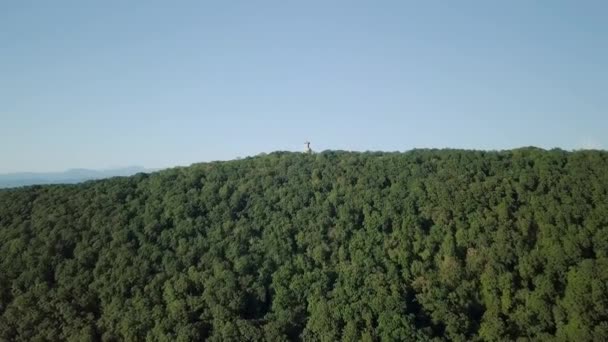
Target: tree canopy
(415,246)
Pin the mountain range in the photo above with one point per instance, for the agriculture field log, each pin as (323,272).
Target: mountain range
(70,176)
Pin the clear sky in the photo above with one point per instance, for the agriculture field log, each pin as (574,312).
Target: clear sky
(100,84)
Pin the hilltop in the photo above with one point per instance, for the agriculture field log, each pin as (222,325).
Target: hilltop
(422,245)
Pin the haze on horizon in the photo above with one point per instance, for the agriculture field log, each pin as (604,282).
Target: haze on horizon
(100,85)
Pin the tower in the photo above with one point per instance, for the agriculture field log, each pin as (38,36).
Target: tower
(307,148)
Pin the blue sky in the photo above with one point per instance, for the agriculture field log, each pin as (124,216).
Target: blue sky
(161,83)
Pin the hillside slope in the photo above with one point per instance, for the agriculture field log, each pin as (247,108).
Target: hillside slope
(427,244)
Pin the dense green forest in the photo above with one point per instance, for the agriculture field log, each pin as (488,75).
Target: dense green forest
(423,245)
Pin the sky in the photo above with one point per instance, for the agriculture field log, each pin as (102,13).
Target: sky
(101,84)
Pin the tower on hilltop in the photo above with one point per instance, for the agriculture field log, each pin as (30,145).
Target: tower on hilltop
(307,148)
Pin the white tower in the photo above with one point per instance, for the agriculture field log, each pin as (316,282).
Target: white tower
(307,148)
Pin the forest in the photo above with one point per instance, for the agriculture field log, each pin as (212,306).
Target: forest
(423,245)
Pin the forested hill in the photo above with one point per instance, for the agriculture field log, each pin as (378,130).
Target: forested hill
(422,245)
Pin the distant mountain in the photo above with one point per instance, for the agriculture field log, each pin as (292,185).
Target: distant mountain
(71,176)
